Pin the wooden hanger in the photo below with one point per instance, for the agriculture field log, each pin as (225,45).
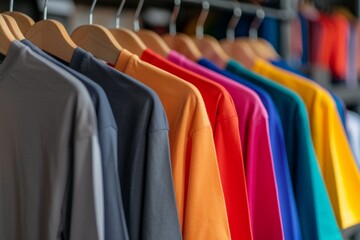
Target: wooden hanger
(211,49)
(129,40)
(179,41)
(140,39)
(154,42)
(263,49)
(126,38)
(151,39)
(6,37)
(260,47)
(183,44)
(23,21)
(97,39)
(240,51)
(52,37)
(237,48)
(14,28)
(138,42)
(208,45)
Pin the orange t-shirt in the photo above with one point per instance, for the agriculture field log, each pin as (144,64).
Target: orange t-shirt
(199,194)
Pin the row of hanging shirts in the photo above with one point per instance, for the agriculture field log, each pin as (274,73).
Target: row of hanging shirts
(259,221)
(52,38)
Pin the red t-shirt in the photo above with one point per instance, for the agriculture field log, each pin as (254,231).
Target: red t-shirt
(224,121)
(330,39)
(341,35)
(322,41)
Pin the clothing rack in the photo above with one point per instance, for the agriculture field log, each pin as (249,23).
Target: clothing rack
(286,13)
(281,14)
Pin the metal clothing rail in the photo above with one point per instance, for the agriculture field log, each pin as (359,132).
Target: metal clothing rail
(281,14)
(286,13)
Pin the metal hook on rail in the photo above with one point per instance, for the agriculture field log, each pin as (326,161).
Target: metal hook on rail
(255,24)
(91,13)
(137,16)
(230,31)
(118,14)
(202,18)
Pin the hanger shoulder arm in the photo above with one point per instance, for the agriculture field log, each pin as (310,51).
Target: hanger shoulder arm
(184,45)
(14,28)
(52,37)
(24,21)
(211,49)
(154,42)
(98,40)
(128,40)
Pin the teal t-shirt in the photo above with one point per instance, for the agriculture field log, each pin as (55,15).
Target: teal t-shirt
(316,215)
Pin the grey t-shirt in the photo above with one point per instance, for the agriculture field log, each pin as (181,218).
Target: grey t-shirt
(50,163)
(143,151)
(115,224)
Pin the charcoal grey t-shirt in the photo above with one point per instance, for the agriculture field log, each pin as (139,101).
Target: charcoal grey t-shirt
(143,151)
(50,163)
(115,224)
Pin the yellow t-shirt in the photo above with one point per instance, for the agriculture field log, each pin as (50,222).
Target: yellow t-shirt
(335,158)
(199,194)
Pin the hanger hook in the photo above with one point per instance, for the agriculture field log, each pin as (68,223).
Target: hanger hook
(205,6)
(45,9)
(174,16)
(137,15)
(91,14)
(230,31)
(255,24)
(11,8)
(118,14)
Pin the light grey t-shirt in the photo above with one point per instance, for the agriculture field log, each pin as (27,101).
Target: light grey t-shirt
(115,224)
(50,164)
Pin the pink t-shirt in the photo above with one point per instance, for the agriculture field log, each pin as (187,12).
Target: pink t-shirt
(254,133)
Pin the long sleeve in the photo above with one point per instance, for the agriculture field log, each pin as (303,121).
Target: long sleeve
(159,196)
(262,189)
(228,146)
(115,223)
(87,203)
(87,194)
(204,198)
